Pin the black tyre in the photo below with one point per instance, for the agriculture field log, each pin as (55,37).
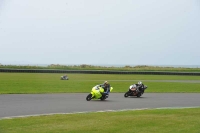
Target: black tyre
(139,94)
(102,98)
(89,97)
(126,94)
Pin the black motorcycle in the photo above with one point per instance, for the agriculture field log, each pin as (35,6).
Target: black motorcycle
(135,92)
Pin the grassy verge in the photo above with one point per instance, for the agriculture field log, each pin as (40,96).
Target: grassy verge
(148,121)
(50,83)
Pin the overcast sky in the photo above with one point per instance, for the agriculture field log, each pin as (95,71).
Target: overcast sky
(125,32)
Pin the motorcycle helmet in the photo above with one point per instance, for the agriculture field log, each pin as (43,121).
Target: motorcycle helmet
(106,83)
(139,83)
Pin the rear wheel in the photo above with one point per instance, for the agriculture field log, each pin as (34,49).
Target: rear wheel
(139,94)
(102,98)
(89,97)
(126,94)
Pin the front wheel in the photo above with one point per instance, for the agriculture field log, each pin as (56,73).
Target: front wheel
(89,97)
(126,94)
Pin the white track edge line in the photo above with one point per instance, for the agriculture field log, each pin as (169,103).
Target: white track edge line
(84,112)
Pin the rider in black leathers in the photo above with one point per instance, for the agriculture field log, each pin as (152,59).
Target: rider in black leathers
(140,86)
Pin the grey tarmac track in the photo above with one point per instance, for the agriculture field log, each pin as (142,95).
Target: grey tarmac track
(15,105)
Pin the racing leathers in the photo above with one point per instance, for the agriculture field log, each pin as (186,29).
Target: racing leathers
(106,88)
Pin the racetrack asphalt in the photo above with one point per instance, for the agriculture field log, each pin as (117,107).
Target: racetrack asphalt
(17,105)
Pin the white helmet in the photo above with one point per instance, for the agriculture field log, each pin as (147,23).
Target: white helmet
(139,83)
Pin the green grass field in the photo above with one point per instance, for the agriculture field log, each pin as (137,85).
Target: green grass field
(148,121)
(139,121)
(19,83)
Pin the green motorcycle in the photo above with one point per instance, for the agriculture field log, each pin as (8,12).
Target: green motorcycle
(96,93)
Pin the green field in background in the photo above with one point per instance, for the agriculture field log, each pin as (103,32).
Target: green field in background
(11,83)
